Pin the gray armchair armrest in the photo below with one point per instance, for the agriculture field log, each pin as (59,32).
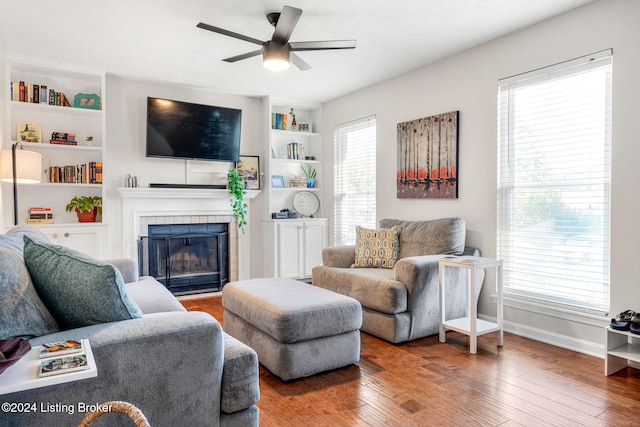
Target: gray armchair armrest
(421,277)
(154,363)
(339,256)
(128,268)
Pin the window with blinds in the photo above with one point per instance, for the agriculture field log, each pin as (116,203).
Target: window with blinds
(354,178)
(554,161)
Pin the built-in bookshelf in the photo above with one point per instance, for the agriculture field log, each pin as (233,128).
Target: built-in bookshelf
(71,139)
(292,246)
(287,150)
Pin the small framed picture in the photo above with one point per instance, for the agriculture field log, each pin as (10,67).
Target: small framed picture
(29,132)
(249,170)
(86,100)
(305,126)
(277,181)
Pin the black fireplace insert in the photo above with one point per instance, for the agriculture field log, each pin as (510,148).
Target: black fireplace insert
(186,258)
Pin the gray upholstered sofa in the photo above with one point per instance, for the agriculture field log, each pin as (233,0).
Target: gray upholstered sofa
(402,303)
(177,367)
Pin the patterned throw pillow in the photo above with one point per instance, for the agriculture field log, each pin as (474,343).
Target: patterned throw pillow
(77,289)
(377,248)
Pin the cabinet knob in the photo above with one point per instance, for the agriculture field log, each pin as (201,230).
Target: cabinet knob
(54,235)
(66,234)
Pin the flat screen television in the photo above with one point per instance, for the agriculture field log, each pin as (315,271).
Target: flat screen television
(177,129)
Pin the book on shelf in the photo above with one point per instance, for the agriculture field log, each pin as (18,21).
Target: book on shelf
(87,173)
(279,121)
(44,94)
(63,365)
(295,151)
(29,93)
(297,182)
(63,138)
(15,91)
(60,348)
(22,92)
(98,172)
(40,215)
(62,142)
(37,93)
(39,221)
(28,131)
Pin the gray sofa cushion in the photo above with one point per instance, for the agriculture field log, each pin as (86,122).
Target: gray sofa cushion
(151,296)
(291,311)
(375,288)
(22,312)
(79,290)
(431,237)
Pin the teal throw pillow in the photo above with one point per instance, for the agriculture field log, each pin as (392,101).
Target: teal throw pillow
(77,289)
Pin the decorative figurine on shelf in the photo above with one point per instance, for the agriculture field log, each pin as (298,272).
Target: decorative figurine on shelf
(294,125)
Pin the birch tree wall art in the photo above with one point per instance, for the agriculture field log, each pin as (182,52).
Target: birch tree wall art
(428,157)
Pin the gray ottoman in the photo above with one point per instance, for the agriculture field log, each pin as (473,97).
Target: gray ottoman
(297,329)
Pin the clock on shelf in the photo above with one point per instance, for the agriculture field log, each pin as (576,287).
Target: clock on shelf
(306,203)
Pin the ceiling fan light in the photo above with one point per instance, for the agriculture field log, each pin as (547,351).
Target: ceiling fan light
(276,56)
(275,64)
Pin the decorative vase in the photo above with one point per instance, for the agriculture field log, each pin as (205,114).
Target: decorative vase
(89,216)
(294,125)
(311,182)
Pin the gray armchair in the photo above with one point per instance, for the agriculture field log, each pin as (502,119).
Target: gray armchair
(402,304)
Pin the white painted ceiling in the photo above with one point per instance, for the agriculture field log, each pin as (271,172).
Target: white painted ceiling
(158,39)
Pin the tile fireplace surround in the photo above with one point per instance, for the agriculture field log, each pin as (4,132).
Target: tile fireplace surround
(145,206)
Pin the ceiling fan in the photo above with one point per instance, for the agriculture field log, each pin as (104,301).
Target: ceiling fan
(277,53)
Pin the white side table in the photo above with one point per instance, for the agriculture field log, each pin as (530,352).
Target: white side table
(24,374)
(470,325)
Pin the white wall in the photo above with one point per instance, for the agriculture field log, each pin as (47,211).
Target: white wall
(468,82)
(126,101)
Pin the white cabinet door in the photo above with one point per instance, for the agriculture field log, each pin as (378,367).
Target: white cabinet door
(315,239)
(289,254)
(86,238)
(298,247)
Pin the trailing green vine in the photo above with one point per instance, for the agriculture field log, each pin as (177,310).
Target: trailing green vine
(236,188)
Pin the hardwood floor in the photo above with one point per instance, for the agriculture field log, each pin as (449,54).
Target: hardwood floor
(426,383)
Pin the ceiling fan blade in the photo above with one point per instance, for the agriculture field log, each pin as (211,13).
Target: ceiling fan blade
(298,62)
(243,56)
(286,23)
(323,45)
(229,33)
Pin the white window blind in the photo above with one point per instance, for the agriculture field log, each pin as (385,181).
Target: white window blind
(554,136)
(354,178)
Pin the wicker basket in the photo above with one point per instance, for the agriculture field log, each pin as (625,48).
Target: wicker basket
(116,406)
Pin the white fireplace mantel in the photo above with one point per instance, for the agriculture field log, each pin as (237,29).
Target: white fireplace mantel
(180,193)
(139,203)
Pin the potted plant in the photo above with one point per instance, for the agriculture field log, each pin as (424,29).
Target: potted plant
(239,207)
(309,173)
(86,207)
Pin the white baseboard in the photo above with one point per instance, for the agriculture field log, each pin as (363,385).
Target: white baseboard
(547,337)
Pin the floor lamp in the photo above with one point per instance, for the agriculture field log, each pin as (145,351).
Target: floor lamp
(19,166)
